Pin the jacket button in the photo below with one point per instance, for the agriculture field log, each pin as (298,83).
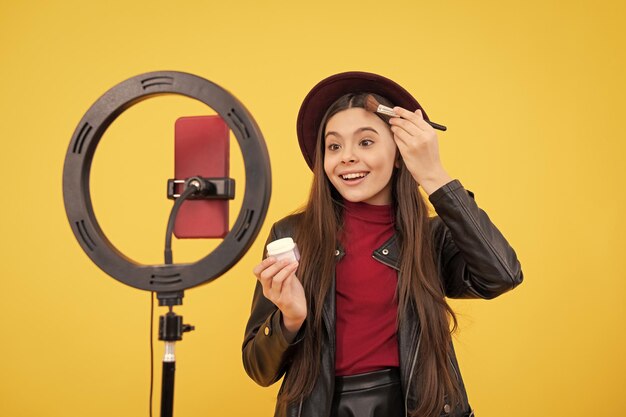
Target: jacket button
(336,252)
(266,331)
(446,408)
(385,251)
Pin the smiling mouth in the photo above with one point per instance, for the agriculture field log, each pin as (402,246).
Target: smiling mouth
(354,176)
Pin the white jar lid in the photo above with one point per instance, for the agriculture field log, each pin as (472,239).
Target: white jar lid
(280,246)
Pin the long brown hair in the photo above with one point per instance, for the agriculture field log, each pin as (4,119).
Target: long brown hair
(419,288)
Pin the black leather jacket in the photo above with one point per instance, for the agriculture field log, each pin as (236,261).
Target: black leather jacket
(474,260)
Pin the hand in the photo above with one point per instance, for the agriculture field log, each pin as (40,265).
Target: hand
(418,144)
(283,288)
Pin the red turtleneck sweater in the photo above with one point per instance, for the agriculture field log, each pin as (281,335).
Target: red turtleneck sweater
(365,293)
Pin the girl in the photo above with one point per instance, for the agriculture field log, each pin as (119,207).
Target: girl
(360,326)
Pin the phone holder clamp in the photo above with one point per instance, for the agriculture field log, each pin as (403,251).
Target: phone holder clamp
(208,188)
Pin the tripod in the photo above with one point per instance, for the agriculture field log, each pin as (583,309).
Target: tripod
(171,329)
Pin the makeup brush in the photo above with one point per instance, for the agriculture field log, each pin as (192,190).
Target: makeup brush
(371,104)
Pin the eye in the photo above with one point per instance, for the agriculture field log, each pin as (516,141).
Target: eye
(333,147)
(366,142)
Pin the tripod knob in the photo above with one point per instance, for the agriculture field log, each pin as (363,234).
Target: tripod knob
(171,327)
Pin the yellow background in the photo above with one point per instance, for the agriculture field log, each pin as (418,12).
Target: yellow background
(532,93)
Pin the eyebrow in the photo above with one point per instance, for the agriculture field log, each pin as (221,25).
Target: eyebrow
(359,130)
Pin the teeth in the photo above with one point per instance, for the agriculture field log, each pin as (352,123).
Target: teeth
(353,176)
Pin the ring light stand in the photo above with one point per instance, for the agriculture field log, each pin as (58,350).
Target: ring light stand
(168,280)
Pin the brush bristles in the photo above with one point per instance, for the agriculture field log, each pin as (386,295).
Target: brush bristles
(371,104)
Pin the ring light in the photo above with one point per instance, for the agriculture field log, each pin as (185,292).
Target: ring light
(76,192)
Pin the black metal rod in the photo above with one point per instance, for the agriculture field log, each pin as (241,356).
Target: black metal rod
(167,389)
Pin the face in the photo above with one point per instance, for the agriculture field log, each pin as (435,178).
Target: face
(360,154)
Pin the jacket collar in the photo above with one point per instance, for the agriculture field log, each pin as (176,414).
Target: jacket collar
(388,253)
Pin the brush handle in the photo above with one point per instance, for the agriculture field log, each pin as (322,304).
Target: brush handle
(436,125)
(389,112)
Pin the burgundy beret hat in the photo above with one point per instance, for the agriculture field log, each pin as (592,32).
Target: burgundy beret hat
(327,91)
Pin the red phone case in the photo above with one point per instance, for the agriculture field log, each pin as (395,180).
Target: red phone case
(201,149)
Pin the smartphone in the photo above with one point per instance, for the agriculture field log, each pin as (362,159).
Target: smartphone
(201,149)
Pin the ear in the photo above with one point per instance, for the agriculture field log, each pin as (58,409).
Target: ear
(397,163)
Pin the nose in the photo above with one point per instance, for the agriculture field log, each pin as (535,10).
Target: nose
(348,156)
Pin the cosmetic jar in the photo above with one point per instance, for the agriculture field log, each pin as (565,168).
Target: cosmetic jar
(284,248)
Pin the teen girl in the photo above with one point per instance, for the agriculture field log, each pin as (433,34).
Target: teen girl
(360,326)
